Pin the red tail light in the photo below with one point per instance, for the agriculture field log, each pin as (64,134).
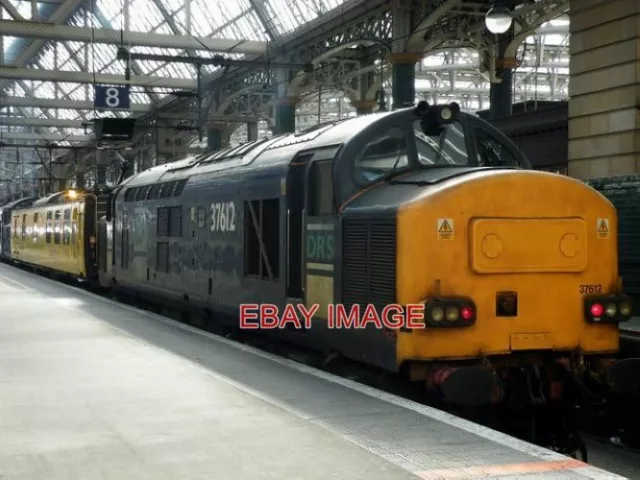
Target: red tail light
(467,313)
(597,310)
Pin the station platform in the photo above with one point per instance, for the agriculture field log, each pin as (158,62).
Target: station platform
(92,389)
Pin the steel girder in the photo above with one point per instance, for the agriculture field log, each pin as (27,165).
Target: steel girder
(45,31)
(326,42)
(450,23)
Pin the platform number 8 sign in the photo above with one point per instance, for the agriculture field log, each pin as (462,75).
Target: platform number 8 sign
(111,97)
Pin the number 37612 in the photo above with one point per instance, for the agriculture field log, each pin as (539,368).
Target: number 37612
(590,288)
(223,217)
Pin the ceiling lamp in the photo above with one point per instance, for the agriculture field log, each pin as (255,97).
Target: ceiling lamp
(498,19)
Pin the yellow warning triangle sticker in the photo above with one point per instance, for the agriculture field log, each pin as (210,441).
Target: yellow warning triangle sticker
(602,228)
(445,227)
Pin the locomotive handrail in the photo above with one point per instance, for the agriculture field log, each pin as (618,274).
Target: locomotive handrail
(303,283)
(288,241)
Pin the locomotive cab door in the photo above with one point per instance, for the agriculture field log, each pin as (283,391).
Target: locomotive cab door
(311,221)
(295,195)
(319,220)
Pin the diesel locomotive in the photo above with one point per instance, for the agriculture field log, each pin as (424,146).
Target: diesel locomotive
(517,268)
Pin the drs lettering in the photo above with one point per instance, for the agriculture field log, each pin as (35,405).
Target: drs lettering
(223,216)
(320,246)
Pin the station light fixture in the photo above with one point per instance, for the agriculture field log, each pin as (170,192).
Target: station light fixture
(498,19)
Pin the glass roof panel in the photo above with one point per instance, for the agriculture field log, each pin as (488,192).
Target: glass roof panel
(67,114)
(237,19)
(110,9)
(287,15)
(144,23)
(8,43)
(23,8)
(139,98)
(46,57)
(74,131)
(45,90)
(62,53)
(77,47)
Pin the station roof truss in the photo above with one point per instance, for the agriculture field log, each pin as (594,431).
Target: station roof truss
(54,51)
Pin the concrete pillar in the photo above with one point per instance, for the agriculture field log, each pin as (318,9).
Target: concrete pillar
(403,63)
(252,131)
(404,78)
(101,175)
(286,114)
(604,123)
(214,139)
(217,136)
(80,180)
(364,106)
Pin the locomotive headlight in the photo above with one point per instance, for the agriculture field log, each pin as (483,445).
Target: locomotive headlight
(625,309)
(452,314)
(446,113)
(437,314)
(611,309)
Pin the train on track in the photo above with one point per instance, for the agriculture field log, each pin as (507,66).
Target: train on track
(517,269)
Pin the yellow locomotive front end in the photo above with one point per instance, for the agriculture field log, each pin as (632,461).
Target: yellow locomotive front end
(511,264)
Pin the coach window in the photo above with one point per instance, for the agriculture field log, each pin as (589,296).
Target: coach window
(56,228)
(15,226)
(321,189)
(24,226)
(36,228)
(48,228)
(74,225)
(382,155)
(492,153)
(66,235)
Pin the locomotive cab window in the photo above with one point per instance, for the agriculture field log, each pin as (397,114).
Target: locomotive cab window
(492,153)
(447,148)
(321,189)
(382,155)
